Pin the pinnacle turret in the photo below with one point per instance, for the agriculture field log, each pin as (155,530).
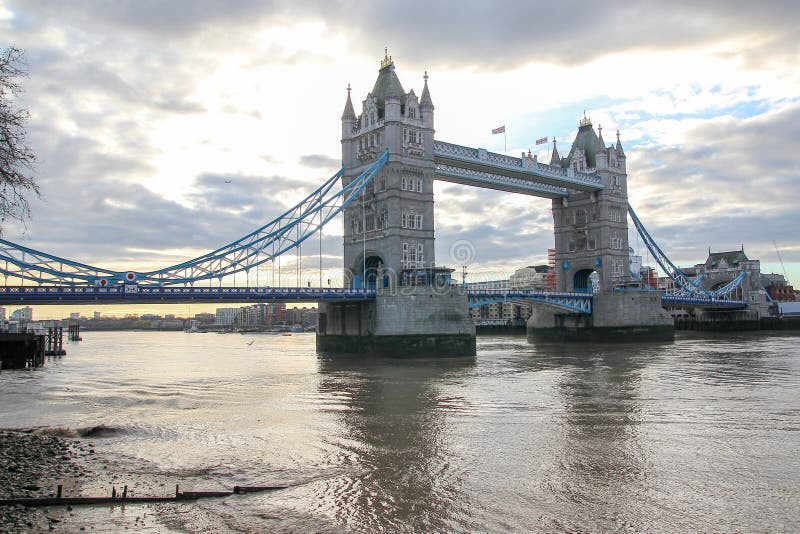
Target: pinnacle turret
(426,94)
(348,113)
(555,158)
(620,152)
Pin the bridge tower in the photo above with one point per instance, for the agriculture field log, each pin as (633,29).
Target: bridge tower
(591,229)
(392,225)
(389,234)
(591,235)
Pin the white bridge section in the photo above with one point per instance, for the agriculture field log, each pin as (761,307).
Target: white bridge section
(479,167)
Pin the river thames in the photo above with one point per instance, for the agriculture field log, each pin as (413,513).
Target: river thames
(699,434)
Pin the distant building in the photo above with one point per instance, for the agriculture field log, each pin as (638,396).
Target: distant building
(96,315)
(205,318)
(254,315)
(722,267)
(551,272)
(23,314)
(634,263)
(75,315)
(226,316)
(2,314)
(778,288)
(307,317)
(531,277)
(276,313)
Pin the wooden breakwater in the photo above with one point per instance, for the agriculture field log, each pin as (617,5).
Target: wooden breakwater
(123,497)
(22,350)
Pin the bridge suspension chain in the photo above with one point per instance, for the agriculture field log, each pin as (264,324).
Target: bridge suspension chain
(687,286)
(265,244)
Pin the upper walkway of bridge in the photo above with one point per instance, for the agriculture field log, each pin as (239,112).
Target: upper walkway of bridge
(481,168)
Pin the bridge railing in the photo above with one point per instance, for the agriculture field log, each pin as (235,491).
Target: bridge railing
(489,179)
(465,153)
(132,290)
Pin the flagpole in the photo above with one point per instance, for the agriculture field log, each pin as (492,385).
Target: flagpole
(505,143)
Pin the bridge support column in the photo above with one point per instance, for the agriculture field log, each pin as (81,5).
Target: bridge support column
(421,321)
(617,317)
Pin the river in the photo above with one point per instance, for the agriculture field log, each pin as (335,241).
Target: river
(699,434)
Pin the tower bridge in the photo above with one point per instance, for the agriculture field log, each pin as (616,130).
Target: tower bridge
(396,298)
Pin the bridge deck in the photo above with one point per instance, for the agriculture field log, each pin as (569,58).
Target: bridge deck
(136,294)
(155,294)
(479,167)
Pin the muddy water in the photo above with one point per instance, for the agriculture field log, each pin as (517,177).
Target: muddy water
(700,434)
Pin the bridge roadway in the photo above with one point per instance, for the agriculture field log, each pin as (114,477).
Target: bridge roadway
(151,294)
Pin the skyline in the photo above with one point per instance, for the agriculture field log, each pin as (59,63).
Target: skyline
(162,134)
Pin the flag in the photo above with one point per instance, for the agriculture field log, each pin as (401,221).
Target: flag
(541,141)
(501,129)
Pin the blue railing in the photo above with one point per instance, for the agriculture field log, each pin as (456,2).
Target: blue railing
(138,294)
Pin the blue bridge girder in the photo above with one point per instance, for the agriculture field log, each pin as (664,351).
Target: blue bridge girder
(479,167)
(569,302)
(151,294)
(701,302)
(142,294)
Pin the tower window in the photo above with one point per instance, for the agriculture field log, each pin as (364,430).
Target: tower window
(412,255)
(412,221)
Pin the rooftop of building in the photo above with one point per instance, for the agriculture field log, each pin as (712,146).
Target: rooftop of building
(731,258)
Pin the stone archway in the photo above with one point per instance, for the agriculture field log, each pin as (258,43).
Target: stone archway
(582,281)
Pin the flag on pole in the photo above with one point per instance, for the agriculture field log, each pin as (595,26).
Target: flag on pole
(541,141)
(501,129)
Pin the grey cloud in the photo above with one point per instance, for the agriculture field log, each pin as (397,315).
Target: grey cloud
(500,34)
(738,186)
(241,192)
(320,161)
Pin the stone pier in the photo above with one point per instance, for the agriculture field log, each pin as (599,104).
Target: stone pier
(423,321)
(617,317)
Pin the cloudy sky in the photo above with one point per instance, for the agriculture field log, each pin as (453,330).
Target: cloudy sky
(166,129)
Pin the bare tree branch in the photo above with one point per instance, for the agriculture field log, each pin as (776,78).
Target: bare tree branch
(16,159)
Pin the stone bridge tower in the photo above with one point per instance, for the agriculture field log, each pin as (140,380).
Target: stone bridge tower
(392,224)
(591,229)
(388,235)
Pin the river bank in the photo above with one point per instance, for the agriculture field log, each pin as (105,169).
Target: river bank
(33,465)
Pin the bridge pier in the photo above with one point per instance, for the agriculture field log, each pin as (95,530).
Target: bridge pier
(617,317)
(409,321)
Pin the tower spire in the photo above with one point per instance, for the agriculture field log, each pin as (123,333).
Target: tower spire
(425,99)
(387,59)
(555,158)
(619,146)
(348,113)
